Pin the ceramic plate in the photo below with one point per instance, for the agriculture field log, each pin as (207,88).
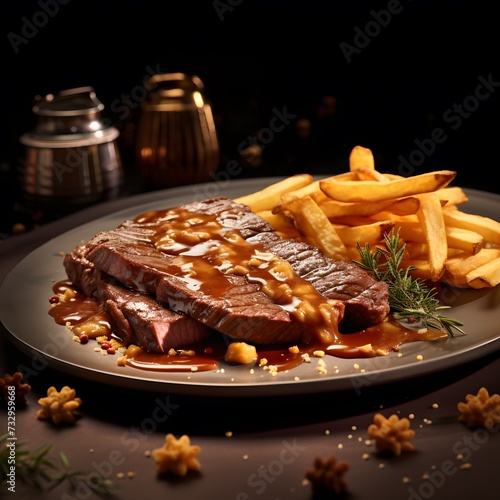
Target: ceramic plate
(24,304)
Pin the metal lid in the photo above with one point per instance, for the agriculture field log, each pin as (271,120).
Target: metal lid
(70,118)
(80,101)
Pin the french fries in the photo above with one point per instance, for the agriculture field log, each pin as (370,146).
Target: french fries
(315,226)
(268,197)
(361,205)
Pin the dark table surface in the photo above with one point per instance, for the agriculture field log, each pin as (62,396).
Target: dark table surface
(273,439)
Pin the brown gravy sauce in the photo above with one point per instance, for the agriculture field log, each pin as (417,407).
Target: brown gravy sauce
(370,342)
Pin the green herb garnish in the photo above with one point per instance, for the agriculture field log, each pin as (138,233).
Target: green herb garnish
(36,469)
(409,298)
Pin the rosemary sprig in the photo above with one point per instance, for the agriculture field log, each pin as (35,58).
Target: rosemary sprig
(36,469)
(409,298)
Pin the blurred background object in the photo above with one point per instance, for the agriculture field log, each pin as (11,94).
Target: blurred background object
(292,86)
(176,141)
(71,157)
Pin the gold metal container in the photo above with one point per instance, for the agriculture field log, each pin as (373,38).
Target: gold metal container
(176,140)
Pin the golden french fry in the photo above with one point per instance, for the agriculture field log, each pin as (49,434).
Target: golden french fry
(361,157)
(368,233)
(488,228)
(422,268)
(333,208)
(267,198)
(458,268)
(367,191)
(452,195)
(457,238)
(370,174)
(431,219)
(485,276)
(463,239)
(311,189)
(280,223)
(310,220)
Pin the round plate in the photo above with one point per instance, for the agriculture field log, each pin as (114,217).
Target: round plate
(24,309)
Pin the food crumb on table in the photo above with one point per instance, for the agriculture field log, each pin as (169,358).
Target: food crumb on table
(480,410)
(59,406)
(177,456)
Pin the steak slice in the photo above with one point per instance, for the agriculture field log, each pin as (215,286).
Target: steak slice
(238,308)
(366,300)
(140,320)
(135,318)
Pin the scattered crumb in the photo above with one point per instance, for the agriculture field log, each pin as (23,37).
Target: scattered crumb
(406,480)
(481,410)
(176,456)
(228,434)
(14,382)
(365,456)
(240,353)
(147,453)
(294,349)
(381,466)
(306,358)
(392,434)
(327,432)
(466,466)
(321,368)
(245,457)
(435,405)
(319,354)
(59,406)
(328,476)
(130,474)
(420,357)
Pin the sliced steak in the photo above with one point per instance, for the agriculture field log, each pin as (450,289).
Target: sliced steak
(140,320)
(366,300)
(135,317)
(235,307)
(232,304)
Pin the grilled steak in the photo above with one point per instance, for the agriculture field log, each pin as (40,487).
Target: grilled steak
(139,319)
(157,255)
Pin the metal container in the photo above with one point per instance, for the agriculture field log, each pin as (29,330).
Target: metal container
(176,141)
(71,158)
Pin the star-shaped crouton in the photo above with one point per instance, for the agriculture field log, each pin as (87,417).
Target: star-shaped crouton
(177,456)
(392,434)
(59,406)
(481,410)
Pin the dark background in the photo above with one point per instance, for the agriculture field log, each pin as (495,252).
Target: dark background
(255,57)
